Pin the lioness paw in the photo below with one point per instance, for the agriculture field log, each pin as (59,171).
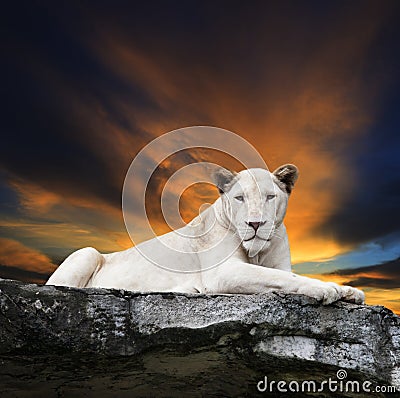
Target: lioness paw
(353,295)
(323,292)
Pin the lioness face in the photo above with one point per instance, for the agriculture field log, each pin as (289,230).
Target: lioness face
(255,203)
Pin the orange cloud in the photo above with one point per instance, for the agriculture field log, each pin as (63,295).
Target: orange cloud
(36,200)
(65,221)
(15,254)
(389,298)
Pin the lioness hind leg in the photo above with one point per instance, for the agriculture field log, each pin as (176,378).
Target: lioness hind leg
(77,269)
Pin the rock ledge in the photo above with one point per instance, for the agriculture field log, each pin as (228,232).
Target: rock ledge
(244,337)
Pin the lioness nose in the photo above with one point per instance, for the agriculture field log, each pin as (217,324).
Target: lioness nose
(256,225)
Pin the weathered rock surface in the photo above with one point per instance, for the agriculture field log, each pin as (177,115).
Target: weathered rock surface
(58,341)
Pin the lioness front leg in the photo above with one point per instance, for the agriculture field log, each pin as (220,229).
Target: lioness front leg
(239,277)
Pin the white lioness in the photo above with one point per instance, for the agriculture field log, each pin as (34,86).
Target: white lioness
(238,245)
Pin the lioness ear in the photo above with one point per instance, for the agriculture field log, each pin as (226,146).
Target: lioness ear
(287,174)
(223,178)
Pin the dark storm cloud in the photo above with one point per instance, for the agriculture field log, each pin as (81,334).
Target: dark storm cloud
(384,276)
(372,209)
(22,275)
(42,137)
(51,91)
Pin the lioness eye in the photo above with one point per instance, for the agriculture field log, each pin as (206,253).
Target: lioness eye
(239,198)
(269,197)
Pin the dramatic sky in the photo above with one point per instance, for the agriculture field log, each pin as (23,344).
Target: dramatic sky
(86,85)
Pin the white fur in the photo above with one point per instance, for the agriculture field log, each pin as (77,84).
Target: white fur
(215,253)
